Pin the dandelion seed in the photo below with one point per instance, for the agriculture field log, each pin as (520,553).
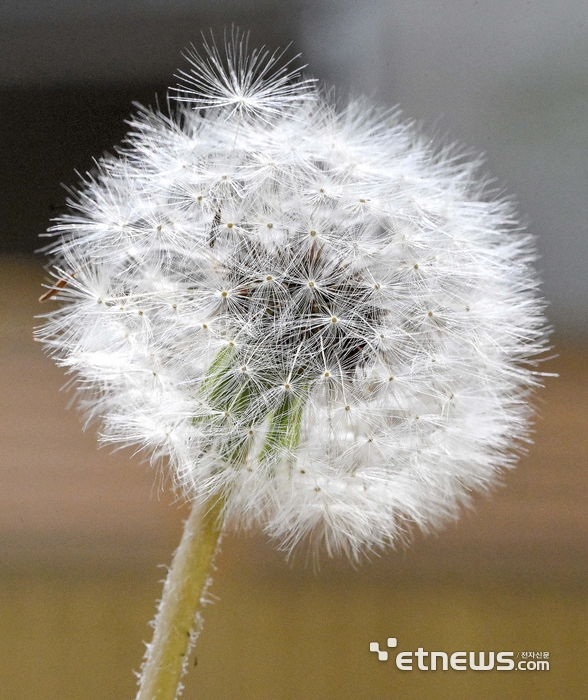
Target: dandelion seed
(256,83)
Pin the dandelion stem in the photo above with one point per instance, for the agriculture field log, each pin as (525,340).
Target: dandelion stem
(166,659)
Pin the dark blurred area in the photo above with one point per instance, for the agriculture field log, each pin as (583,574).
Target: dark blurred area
(83,532)
(47,133)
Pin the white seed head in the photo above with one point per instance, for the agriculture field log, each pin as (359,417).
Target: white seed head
(302,305)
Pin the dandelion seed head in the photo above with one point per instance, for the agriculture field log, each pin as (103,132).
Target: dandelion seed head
(300,304)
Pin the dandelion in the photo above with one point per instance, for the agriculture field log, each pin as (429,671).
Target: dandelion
(325,326)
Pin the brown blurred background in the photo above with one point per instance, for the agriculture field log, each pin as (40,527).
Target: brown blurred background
(83,532)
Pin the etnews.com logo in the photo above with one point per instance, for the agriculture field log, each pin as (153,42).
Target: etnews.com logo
(462,660)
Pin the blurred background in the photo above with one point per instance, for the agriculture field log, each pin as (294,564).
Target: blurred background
(82,531)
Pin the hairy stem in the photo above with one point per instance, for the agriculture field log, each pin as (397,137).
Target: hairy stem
(166,659)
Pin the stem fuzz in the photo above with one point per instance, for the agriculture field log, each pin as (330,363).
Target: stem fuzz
(166,658)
